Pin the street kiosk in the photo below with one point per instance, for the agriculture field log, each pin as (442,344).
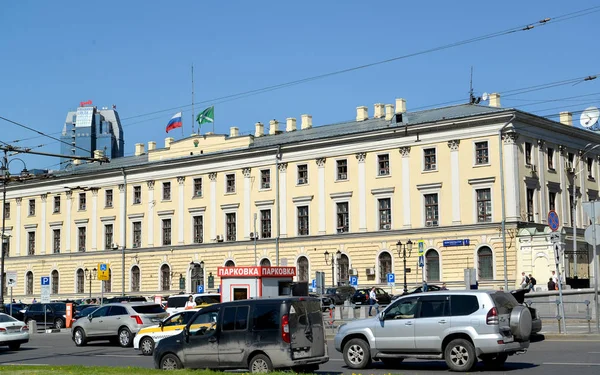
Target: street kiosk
(255,282)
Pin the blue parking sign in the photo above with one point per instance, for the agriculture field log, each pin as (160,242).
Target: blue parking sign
(200,289)
(314,283)
(391,278)
(354,280)
(45,280)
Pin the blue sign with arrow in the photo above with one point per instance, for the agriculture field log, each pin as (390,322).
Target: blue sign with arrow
(421,261)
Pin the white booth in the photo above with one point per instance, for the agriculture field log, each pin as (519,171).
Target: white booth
(255,282)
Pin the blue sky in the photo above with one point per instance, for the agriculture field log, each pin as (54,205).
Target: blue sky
(138,54)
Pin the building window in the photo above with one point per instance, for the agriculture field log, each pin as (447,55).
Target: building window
(550,158)
(108,198)
(198,229)
(302,269)
(108,283)
(342,169)
(430,159)
(29,283)
(230,183)
(265,179)
(6,249)
(432,265)
(343,224)
(165,277)
(265,223)
(230,263)
(137,195)
(303,221)
(6,210)
(484,205)
(590,168)
(166,231)
(485,266)
(56,241)
(344,270)
(385,213)
(303,174)
(571,209)
(552,201)
(166,191)
(528,147)
(264,262)
(530,205)
(135,279)
(383,162)
(196,276)
(231,226)
(54,282)
(80,287)
(56,209)
(385,266)
(30,243)
(570,160)
(31,207)
(137,234)
(82,199)
(82,238)
(481,153)
(108,236)
(197,187)
(431,210)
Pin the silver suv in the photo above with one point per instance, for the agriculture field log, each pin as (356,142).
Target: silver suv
(458,326)
(116,322)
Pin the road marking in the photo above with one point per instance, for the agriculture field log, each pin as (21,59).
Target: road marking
(570,364)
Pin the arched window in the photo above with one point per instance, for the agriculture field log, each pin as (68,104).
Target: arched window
(230,263)
(197,275)
(80,283)
(135,279)
(302,268)
(54,281)
(385,266)
(344,266)
(29,283)
(165,277)
(485,263)
(264,262)
(432,265)
(108,283)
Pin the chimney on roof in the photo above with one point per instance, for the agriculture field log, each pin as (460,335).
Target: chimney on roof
(306,122)
(260,129)
(566,118)
(290,124)
(151,146)
(400,105)
(362,113)
(139,149)
(98,154)
(379,110)
(168,141)
(273,127)
(234,131)
(495,100)
(389,111)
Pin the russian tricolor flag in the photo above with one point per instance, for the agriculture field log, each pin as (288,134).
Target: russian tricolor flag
(175,122)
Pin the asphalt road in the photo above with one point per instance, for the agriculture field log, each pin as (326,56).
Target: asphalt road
(544,358)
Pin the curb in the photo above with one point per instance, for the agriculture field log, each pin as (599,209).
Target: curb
(571,336)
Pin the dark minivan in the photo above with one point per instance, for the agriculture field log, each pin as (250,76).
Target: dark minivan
(259,334)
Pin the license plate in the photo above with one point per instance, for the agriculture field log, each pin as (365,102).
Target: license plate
(358,303)
(301,354)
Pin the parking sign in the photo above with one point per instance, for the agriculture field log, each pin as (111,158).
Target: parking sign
(391,278)
(353,280)
(200,289)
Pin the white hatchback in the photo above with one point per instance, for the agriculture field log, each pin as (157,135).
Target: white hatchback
(13,332)
(177,302)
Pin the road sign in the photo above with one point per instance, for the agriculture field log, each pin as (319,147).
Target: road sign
(314,284)
(391,278)
(421,247)
(553,221)
(555,237)
(421,261)
(354,280)
(589,235)
(11,279)
(45,283)
(591,209)
(103,271)
(200,289)
(44,280)
(557,253)
(465,242)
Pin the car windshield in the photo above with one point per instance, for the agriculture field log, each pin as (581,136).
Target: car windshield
(148,309)
(331,291)
(7,318)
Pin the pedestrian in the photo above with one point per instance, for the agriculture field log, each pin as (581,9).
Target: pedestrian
(20,301)
(551,284)
(532,282)
(34,300)
(373,301)
(13,301)
(524,280)
(190,304)
(444,286)
(555,279)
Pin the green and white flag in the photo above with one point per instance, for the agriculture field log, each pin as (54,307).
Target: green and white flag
(208,115)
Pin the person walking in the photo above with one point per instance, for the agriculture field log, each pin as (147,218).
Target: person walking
(190,304)
(373,301)
(524,280)
(532,282)
(551,284)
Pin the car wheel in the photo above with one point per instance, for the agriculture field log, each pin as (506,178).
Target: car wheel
(14,346)
(147,345)
(494,361)
(260,363)
(170,362)
(124,337)
(460,355)
(357,354)
(59,323)
(79,337)
(392,362)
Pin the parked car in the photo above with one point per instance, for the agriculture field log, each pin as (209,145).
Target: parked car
(536,324)
(258,334)
(361,297)
(51,314)
(116,322)
(457,326)
(419,289)
(326,302)
(18,310)
(125,299)
(146,339)
(176,303)
(340,294)
(13,332)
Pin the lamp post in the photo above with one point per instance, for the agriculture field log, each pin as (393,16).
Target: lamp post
(90,275)
(337,256)
(402,248)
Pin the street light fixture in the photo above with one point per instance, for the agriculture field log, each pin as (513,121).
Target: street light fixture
(334,257)
(402,248)
(90,275)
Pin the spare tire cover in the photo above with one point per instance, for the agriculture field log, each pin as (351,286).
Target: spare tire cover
(520,322)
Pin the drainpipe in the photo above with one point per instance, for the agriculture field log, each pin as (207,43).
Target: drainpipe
(124,235)
(277,159)
(502,195)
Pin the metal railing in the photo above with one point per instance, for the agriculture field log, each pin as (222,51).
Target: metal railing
(574,311)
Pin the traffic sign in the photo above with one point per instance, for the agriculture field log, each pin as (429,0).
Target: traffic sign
(200,289)
(391,278)
(421,261)
(354,280)
(553,221)
(557,251)
(589,235)
(555,237)
(314,284)
(103,271)
(421,247)
(45,280)
(11,279)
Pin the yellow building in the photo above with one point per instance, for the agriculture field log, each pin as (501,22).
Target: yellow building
(168,217)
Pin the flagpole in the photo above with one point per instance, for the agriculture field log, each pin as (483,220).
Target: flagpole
(193,98)
(213,121)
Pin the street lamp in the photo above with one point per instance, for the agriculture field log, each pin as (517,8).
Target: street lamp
(90,275)
(402,248)
(338,256)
